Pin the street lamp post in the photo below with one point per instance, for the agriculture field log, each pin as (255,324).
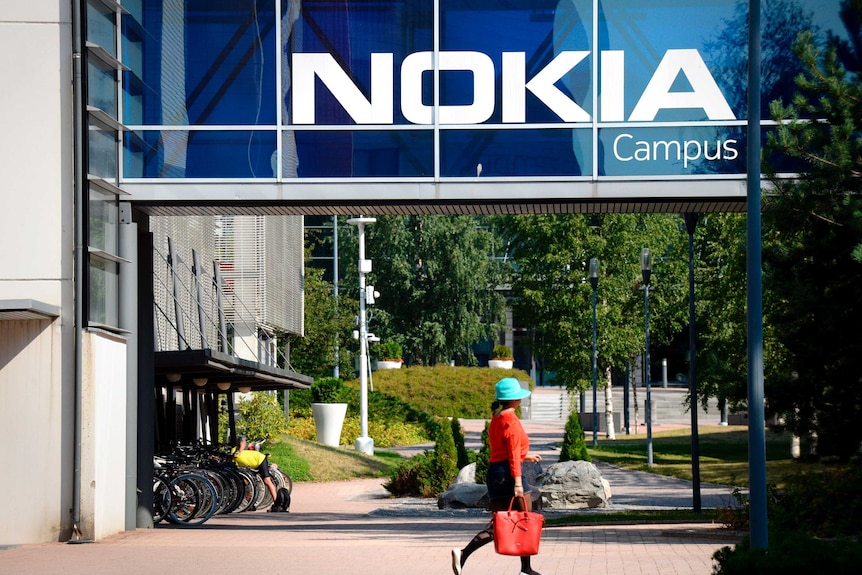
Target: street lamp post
(646,272)
(690,226)
(364,444)
(594,282)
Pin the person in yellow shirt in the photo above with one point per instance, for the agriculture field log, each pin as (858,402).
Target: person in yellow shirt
(255,460)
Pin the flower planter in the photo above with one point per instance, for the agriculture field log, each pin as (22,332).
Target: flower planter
(500,363)
(389,364)
(328,420)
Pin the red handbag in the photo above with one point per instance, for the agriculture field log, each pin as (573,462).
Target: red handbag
(517,532)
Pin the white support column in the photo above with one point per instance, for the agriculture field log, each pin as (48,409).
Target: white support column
(364,444)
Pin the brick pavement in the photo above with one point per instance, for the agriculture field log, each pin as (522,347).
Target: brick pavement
(354,528)
(330,531)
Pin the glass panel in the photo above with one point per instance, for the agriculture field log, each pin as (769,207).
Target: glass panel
(102,89)
(406,153)
(672,151)
(537,30)
(351,32)
(104,212)
(101,27)
(552,152)
(211,63)
(103,154)
(644,32)
(199,154)
(104,289)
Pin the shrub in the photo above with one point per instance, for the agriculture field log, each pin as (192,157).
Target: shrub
(501,352)
(464,392)
(443,467)
(790,553)
(483,457)
(574,446)
(429,474)
(405,480)
(386,433)
(465,456)
(806,503)
(327,390)
(389,350)
(261,417)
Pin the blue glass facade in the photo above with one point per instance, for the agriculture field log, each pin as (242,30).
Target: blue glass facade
(576,90)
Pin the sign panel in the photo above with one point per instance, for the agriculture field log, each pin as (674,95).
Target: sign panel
(446,100)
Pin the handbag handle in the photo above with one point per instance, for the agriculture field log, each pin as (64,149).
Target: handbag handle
(522,498)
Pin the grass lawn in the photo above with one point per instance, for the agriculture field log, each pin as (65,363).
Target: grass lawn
(723,454)
(311,461)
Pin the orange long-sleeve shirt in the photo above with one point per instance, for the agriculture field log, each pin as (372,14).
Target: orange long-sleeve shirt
(508,441)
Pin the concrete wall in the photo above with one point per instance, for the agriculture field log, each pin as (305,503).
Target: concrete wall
(103,437)
(36,476)
(36,250)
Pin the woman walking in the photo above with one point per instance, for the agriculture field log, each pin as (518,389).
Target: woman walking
(509,448)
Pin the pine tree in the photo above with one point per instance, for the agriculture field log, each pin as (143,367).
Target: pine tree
(574,444)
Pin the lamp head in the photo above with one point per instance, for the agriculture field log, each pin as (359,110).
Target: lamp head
(594,273)
(646,265)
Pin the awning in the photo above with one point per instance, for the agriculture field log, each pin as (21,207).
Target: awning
(212,370)
(27,309)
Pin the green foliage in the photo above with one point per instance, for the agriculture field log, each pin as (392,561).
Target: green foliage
(465,456)
(429,474)
(406,479)
(483,457)
(551,254)
(720,279)
(327,390)
(811,250)
(501,352)
(806,502)
(287,459)
(443,465)
(261,417)
(790,553)
(437,277)
(389,350)
(574,446)
(386,432)
(326,324)
(463,392)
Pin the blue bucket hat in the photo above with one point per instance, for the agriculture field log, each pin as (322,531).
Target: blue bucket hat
(509,389)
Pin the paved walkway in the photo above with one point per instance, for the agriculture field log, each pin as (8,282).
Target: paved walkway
(355,528)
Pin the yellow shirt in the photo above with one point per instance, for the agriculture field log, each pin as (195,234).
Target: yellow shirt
(249,458)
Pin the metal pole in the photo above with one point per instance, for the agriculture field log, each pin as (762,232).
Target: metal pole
(690,225)
(335,370)
(364,444)
(626,417)
(759,530)
(646,271)
(595,409)
(648,409)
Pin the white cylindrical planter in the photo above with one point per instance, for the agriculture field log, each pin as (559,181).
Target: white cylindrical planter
(500,363)
(383,364)
(328,419)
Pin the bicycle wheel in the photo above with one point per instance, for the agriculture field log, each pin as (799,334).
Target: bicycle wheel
(194,500)
(249,493)
(281,479)
(161,498)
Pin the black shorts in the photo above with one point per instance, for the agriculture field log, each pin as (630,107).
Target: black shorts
(263,468)
(501,485)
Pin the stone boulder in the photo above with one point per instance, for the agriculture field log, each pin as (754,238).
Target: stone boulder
(463,496)
(574,485)
(466,474)
(465,492)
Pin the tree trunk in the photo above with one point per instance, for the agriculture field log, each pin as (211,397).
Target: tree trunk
(609,405)
(634,387)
